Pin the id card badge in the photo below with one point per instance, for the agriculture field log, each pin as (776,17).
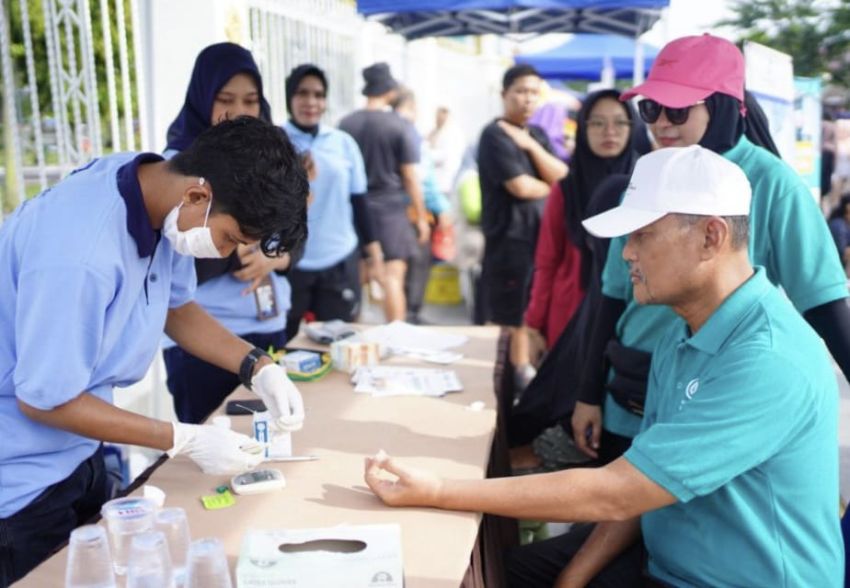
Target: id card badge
(264,297)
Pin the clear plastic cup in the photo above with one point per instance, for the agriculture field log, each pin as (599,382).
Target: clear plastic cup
(207,567)
(125,518)
(89,560)
(175,526)
(149,565)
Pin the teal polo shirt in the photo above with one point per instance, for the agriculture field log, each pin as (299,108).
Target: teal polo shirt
(741,426)
(788,237)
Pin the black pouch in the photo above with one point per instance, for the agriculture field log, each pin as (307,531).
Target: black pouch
(631,374)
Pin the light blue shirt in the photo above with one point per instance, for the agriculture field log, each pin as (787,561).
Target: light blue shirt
(331,235)
(223,298)
(788,236)
(741,426)
(85,285)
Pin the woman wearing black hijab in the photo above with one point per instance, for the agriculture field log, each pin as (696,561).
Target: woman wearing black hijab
(562,257)
(326,281)
(568,261)
(244,291)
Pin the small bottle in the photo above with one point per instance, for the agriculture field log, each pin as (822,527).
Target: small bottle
(264,297)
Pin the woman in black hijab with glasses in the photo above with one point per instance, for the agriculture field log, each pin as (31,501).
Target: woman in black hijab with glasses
(564,273)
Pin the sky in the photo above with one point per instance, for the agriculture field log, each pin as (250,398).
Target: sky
(689,17)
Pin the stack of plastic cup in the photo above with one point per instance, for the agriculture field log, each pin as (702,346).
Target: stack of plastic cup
(149,565)
(89,561)
(174,525)
(207,567)
(125,518)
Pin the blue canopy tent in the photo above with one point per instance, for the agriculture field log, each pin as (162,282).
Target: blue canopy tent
(436,18)
(584,56)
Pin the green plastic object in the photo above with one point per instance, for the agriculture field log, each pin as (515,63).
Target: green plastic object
(469,195)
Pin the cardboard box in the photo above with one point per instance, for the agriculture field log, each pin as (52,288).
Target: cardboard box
(354,556)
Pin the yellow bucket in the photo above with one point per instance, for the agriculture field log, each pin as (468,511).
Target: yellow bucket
(443,285)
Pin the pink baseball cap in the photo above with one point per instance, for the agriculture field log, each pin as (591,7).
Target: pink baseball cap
(690,69)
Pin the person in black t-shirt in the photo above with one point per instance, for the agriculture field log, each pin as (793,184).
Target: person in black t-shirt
(390,154)
(516,167)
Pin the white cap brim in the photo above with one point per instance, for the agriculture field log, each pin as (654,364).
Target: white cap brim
(619,221)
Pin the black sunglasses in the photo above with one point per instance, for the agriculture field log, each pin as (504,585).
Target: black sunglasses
(650,110)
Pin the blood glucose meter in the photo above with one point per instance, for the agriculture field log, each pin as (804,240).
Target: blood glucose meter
(257,482)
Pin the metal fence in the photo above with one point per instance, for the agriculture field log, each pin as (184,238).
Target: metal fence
(88,61)
(284,34)
(73,73)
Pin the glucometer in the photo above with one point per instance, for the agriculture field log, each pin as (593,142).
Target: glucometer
(257,482)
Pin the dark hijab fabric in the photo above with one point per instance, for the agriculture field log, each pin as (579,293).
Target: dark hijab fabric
(293,81)
(726,124)
(214,67)
(586,173)
(758,129)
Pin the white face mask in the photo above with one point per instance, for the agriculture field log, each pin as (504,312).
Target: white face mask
(196,242)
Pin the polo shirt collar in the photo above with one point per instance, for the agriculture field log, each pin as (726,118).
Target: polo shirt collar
(138,221)
(291,129)
(719,326)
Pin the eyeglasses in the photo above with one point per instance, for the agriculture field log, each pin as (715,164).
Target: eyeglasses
(650,110)
(598,125)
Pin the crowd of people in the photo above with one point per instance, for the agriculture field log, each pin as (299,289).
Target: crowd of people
(667,293)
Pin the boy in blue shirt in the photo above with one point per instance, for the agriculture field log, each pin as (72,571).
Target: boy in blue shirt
(733,478)
(87,284)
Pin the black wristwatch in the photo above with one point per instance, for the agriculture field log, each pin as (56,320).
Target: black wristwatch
(246,370)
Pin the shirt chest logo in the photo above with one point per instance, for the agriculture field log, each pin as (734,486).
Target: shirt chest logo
(690,391)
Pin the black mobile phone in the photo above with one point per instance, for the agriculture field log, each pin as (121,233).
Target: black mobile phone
(237,407)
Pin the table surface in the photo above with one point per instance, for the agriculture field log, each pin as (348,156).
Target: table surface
(342,427)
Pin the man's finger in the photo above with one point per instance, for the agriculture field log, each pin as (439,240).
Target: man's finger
(596,433)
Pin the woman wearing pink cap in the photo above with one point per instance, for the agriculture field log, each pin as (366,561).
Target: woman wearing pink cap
(694,94)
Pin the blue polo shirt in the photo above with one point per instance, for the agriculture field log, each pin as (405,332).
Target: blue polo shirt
(222,297)
(741,426)
(85,285)
(330,220)
(788,236)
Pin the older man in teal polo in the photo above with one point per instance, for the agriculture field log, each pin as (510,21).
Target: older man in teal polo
(733,479)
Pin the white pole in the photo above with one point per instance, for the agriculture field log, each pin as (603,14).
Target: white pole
(114,126)
(11,110)
(33,84)
(125,76)
(145,134)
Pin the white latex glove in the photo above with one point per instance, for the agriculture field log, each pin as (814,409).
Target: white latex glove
(280,396)
(216,450)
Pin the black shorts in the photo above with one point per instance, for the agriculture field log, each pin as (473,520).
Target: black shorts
(392,228)
(506,274)
(331,293)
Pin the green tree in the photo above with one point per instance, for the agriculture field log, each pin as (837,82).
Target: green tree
(37,24)
(813,32)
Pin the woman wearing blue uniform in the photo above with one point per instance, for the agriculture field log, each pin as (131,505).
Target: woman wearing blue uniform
(244,291)
(326,280)
(91,271)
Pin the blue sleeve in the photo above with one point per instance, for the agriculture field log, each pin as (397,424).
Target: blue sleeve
(183,280)
(804,256)
(59,332)
(358,182)
(435,201)
(615,275)
(717,432)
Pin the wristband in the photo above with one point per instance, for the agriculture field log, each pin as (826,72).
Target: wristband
(246,369)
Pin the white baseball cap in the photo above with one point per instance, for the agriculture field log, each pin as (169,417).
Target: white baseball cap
(683,180)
